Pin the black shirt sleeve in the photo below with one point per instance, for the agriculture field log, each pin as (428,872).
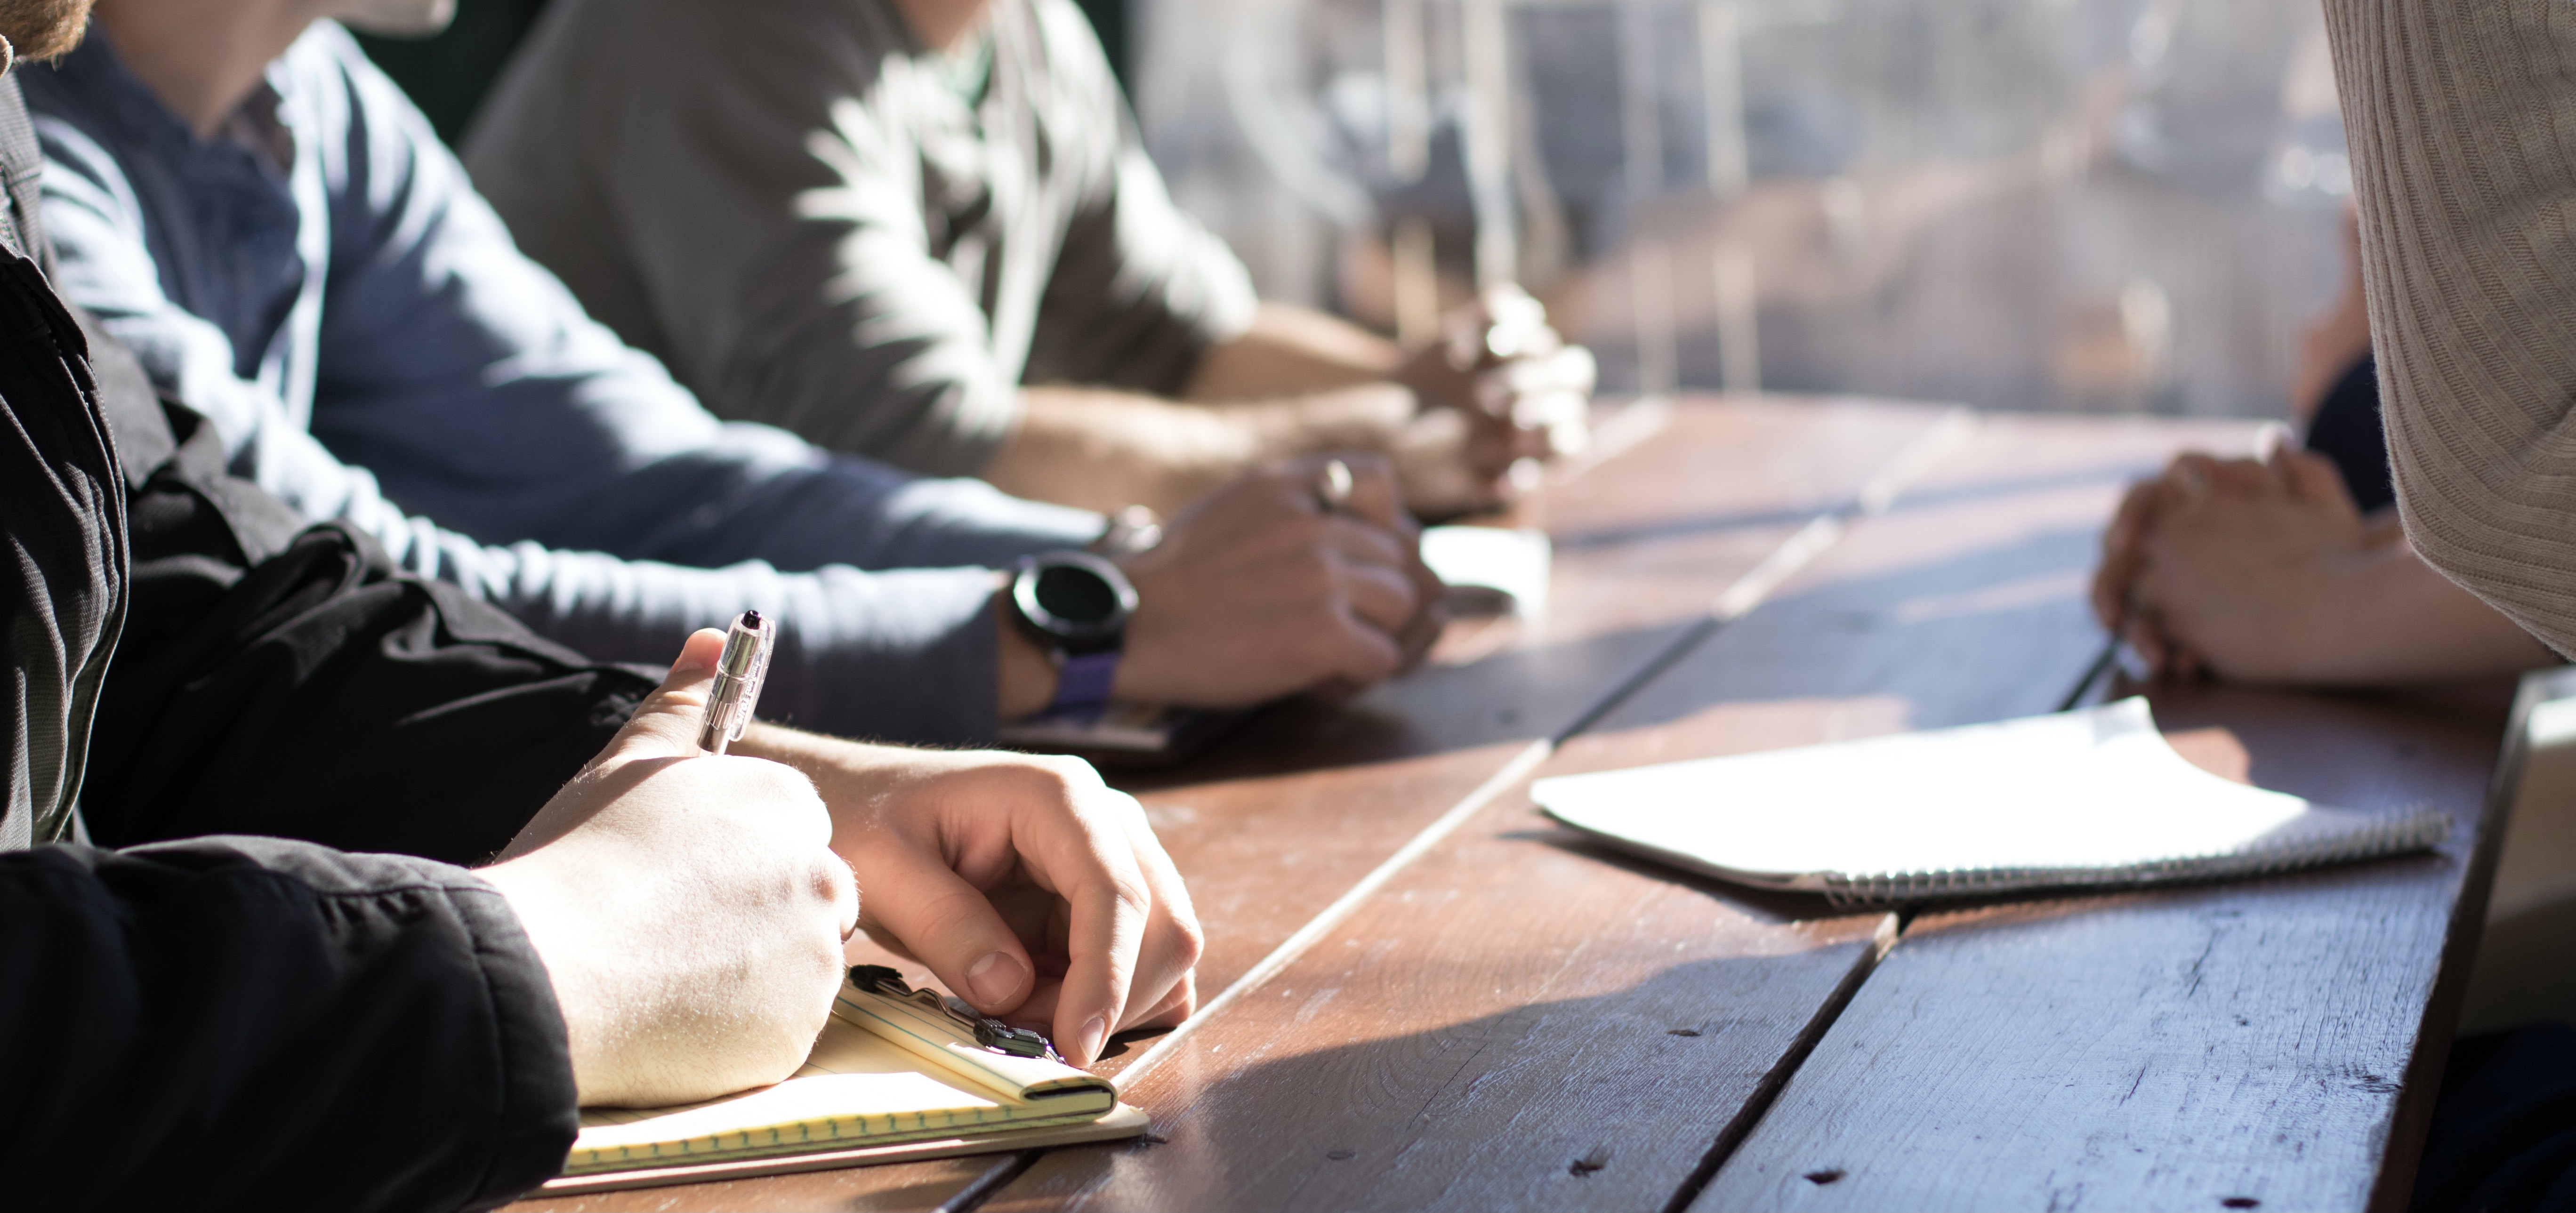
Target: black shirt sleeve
(238,1023)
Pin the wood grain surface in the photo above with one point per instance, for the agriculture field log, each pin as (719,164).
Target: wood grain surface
(1495,1029)
(896,1188)
(1283,817)
(2270,1044)
(1516,1019)
(1278,820)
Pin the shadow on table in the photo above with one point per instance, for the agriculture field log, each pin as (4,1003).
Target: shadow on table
(1591,538)
(1931,634)
(1608,1101)
(1935,625)
(1516,695)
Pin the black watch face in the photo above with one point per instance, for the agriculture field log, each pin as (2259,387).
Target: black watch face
(1077,598)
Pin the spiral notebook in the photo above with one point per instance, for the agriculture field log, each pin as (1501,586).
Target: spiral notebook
(2078,800)
(890,1079)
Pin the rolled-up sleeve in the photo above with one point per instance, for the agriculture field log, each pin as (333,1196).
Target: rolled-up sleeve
(1141,290)
(788,252)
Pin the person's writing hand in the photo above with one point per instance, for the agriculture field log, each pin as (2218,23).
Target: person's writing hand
(1029,888)
(1260,591)
(689,909)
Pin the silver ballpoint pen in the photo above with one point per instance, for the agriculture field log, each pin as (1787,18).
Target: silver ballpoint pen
(738,677)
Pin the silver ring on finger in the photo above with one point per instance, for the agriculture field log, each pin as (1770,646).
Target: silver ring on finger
(1333,487)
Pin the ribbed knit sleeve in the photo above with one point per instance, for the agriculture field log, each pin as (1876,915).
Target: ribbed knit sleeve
(2461,116)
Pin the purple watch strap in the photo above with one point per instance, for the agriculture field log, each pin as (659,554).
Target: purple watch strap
(1084,682)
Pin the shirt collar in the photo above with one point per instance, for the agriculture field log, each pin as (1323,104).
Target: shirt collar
(96,71)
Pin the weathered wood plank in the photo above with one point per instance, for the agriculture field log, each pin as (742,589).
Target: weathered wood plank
(2252,1045)
(1277,823)
(1281,818)
(1493,1031)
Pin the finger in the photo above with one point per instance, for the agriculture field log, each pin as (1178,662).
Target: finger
(1360,542)
(1348,654)
(2271,439)
(2318,481)
(1430,616)
(1111,907)
(844,885)
(950,926)
(1178,1004)
(1173,941)
(1375,495)
(666,724)
(2121,545)
(1382,597)
(2189,477)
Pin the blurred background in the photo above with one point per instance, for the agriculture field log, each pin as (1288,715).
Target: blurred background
(2094,205)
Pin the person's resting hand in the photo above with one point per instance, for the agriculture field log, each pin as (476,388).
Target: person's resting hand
(2239,573)
(689,909)
(1029,888)
(2262,571)
(1499,387)
(1258,592)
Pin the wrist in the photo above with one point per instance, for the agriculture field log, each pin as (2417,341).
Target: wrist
(1026,675)
(1370,417)
(1073,607)
(536,902)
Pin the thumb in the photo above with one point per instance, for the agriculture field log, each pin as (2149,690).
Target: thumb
(666,724)
(2316,478)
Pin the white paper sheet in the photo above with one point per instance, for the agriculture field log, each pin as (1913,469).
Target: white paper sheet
(2094,790)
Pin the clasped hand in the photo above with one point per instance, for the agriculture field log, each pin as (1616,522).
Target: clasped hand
(2233,566)
(1499,386)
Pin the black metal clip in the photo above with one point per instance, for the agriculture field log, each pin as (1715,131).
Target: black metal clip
(991,1033)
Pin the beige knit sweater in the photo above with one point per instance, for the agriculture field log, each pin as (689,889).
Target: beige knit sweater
(2461,116)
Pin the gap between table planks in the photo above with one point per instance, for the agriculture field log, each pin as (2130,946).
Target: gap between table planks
(2270,1044)
(1278,821)
(1497,1026)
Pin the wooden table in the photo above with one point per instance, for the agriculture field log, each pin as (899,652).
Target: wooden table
(1420,995)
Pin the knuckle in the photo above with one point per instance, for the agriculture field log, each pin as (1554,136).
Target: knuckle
(1189,940)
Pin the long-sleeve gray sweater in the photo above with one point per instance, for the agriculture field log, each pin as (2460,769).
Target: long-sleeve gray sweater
(2461,116)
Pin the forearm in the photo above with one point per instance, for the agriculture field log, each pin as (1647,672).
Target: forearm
(2397,620)
(2456,113)
(1290,350)
(1105,450)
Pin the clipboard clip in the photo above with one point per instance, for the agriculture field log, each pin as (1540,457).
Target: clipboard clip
(990,1033)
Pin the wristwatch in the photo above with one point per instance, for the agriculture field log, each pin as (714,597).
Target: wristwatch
(1075,605)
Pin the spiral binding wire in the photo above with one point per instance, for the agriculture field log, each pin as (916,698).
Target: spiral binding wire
(2414,830)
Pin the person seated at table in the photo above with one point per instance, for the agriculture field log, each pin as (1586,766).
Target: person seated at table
(2464,190)
(2292,568)
(203,1001)
(260,214)
(924,231)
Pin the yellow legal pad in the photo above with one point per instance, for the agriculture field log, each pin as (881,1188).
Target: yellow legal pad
(889,1079)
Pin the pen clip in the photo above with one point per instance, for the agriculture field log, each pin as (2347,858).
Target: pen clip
(740,671)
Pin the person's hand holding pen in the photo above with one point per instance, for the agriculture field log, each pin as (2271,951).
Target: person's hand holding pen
(1031,890)
(688,908)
